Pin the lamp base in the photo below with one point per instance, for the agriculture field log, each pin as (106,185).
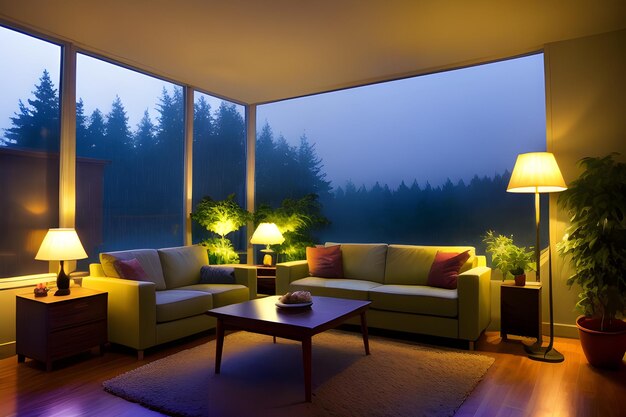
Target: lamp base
(544,354)
(63,283)
(63,291)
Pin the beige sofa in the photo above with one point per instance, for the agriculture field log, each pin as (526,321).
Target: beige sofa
(394,279)
(171,305)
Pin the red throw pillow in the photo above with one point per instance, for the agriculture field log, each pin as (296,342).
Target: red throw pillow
(325,262)
(130,269)
(444,271)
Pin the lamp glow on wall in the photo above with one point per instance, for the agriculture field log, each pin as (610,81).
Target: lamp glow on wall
(267,234)
(61,245)
(538,172)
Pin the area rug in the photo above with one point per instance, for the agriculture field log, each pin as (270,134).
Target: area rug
(260,378)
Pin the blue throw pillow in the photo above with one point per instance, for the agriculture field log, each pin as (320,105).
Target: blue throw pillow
(211,274)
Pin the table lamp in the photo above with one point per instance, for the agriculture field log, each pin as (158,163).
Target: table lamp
(61,245)
(538,172)
(267,234)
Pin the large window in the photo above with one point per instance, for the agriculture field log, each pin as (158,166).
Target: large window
(29,149)
(129,140)
(424,160)
(219,157)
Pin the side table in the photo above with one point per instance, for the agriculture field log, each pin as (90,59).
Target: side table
(50,328)
(266,280)
(520,310)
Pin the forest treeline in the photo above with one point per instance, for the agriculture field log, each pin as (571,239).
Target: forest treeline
(143,177)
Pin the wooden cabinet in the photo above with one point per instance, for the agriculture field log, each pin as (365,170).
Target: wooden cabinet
(520,310)
(50,328)
(266,280)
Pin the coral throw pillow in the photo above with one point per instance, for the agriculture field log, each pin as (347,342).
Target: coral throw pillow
(444,271)
(130,269)
(325,262)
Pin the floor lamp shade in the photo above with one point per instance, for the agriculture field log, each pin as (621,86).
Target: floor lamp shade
(61,245)
(538,172)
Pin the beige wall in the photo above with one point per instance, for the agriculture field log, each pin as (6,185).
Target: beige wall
(586,116)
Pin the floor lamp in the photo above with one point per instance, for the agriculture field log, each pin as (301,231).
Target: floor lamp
(538,172)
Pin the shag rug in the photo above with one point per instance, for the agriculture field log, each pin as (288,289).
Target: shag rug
(260,378)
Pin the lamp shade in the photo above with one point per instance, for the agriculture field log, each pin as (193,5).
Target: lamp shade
(267,234)
(536,172)
(61,245)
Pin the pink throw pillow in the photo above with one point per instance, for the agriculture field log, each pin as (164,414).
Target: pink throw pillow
(131,269)
(444,271)
(325,262)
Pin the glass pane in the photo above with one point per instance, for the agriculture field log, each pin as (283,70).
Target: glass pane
(424,160)
(29,149)
(219,159)
(129,141)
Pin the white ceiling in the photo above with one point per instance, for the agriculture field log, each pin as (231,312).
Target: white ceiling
(256,51)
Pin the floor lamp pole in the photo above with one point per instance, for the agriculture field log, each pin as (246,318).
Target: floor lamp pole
(537,243)
(548,353)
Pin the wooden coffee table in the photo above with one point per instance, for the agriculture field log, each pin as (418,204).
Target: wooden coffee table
(301,324)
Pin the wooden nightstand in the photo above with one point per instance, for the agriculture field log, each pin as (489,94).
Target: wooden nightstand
(520,310)
(266,280)
(50,328)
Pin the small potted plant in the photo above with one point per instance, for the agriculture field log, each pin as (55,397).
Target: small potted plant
(512,260)
(595,243)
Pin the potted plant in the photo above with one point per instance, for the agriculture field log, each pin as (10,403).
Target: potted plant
(512,260)
(220,217)
(595,242)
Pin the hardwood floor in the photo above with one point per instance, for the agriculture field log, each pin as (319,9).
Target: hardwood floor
(514,385)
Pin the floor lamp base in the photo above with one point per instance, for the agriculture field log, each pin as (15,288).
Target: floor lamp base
(544,354)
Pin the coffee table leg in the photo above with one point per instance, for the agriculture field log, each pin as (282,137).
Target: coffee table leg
(306,361)
(219,345)
(366,342)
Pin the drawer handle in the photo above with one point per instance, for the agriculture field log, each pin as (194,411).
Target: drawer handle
(81,306)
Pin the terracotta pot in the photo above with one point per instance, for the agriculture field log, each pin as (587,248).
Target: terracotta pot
(603,349)
(520,280)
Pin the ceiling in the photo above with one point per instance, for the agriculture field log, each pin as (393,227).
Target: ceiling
(257,51)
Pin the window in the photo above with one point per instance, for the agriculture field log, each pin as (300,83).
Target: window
(219,157)
(129,140)
(29,149)
(424,160)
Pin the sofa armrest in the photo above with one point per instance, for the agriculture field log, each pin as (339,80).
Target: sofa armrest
(247,275)
(131,309)
(287,272)
(474,290)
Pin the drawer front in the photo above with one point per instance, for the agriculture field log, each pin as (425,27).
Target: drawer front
(75,312)
(77,339)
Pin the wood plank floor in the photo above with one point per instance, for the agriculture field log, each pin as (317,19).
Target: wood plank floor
(514,385)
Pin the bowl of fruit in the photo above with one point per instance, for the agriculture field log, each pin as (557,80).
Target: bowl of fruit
(296,299)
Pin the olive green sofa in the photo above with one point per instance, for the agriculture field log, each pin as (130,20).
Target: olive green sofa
(169,306)
(394,278)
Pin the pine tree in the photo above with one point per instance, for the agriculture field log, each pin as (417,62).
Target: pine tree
(117,132)
(143,137)
(36,125)
(94,140)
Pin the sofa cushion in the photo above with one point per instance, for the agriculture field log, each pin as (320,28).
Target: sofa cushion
(179,304)
(415,299)
(130,269)
(363,261)
(214,274)
(334,287)
(410,264)
(325,262)
(444,272)
(148,258)
(223,294)
(181,265)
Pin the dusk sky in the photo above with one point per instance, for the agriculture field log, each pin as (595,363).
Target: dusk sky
(453,124)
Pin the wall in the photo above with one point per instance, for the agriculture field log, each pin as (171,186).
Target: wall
(586,100)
